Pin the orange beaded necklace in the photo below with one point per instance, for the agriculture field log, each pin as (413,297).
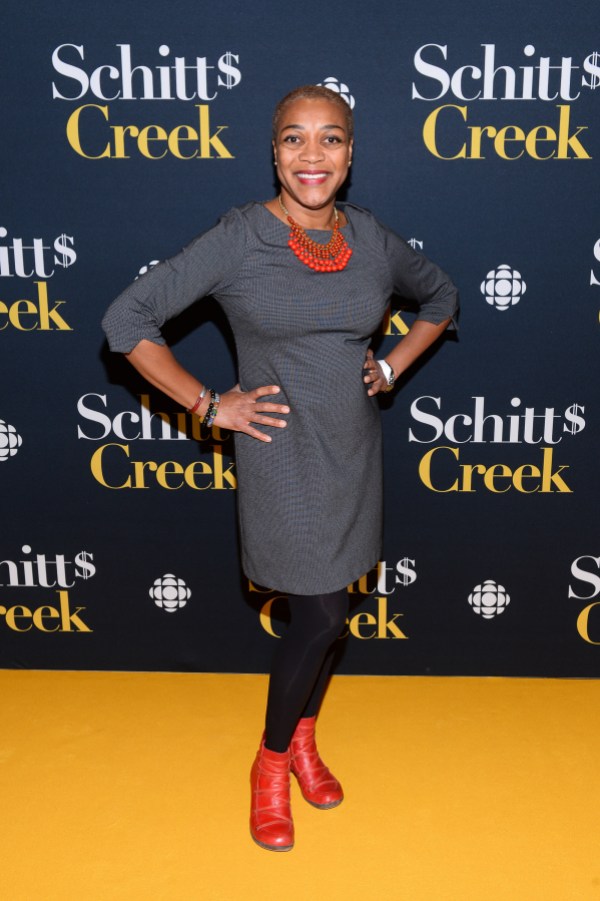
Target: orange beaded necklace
(330,257)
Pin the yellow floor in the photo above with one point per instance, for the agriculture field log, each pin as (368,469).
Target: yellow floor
(135,786)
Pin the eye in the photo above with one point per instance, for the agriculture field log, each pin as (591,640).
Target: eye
(333,139)
(291,139)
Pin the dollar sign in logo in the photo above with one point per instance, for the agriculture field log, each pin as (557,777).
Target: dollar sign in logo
(63,254)
(591,64)
(406,571)
(84,568)
(232,74)
(577,422)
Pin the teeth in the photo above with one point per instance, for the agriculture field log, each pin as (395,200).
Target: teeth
(310,175)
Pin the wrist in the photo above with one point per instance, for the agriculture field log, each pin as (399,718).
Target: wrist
(202,409)
(201,403)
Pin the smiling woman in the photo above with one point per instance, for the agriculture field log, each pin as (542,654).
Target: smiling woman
(305,284)
(312,146)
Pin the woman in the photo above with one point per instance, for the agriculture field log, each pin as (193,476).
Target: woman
(304,285)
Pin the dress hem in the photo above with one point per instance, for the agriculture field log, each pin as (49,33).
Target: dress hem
(326,589)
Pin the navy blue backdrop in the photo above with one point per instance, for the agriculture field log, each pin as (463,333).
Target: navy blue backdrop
(129,128)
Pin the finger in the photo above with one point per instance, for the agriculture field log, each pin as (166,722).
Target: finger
(254,433)
(268,420)
(272,408)
(265,390)
(375,389)
(249,429)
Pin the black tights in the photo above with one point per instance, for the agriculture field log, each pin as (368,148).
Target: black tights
(302,663)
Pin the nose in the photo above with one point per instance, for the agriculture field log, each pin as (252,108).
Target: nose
(312,151)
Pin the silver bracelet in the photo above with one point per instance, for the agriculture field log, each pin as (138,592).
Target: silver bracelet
(388,374)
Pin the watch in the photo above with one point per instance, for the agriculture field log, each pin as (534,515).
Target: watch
(388,374)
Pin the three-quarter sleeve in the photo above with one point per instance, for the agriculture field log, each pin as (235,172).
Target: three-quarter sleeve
(416,278)
(204,267)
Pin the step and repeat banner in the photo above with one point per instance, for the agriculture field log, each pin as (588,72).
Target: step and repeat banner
(127,129)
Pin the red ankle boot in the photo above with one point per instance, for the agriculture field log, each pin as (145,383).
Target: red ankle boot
(318,786)
(271,821)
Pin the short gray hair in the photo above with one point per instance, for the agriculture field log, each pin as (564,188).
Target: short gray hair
(313,92)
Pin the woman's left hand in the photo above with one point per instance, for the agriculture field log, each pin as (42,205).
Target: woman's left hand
(373,375)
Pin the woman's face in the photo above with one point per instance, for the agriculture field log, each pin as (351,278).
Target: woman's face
(312,150)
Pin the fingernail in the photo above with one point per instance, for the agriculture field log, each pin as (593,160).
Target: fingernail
(286,409)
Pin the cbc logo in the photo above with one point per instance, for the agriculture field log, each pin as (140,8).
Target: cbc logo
(340,88)
(489,599)
(147,268)
(10,441)
(170,593)
(503,287)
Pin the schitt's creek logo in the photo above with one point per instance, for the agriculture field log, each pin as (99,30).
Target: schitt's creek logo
(459,128)
(118,463)
(449,467)
(37,259)
(24,576)
(100,127)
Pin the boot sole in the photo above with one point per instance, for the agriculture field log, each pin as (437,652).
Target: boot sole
(323,806)
(272,847)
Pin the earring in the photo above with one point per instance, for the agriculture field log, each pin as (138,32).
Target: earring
(274,162)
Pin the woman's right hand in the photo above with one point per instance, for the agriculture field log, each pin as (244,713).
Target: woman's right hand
(239,409)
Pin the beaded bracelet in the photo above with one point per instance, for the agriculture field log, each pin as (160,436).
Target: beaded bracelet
(199,400)
(213,407)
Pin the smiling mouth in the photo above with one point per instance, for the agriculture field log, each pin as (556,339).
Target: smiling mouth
(311,178)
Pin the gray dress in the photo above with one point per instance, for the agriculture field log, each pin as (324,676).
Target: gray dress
(309,502)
